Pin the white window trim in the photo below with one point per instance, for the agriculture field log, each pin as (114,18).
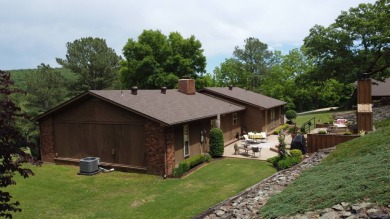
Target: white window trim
(186,138)
(235,118)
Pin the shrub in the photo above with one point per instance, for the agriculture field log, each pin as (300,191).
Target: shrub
(274,160)
(216,142)
(322,132)
(181,169)
(190,163)
(282,147)
(347,133)
(291,114)
(288,162)
(278,129)
(293,129)
(207,158)
(296,153)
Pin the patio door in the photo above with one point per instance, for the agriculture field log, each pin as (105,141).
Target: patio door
(272,118)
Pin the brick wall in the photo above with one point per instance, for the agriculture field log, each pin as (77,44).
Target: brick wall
(47,140)
(158,140)
(187,86)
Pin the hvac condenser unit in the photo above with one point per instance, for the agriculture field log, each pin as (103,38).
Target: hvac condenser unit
(89,165)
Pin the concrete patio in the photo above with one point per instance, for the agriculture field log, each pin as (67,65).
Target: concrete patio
(265,152)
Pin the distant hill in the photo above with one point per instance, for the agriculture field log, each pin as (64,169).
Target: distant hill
(19,76)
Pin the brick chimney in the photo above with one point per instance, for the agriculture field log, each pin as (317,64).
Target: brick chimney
(187,86)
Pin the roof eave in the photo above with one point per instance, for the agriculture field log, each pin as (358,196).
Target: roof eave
(205,117)
(243,101)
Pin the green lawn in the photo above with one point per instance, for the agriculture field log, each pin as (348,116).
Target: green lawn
(58,192)
(357,170)
(320,117)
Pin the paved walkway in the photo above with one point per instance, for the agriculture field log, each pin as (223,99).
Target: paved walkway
(265,153)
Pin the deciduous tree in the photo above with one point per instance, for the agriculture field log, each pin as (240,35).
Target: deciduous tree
(156,60)
(357,42)
(11,142)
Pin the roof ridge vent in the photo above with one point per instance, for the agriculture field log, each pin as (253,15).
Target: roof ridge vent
(163,90)
(134,90)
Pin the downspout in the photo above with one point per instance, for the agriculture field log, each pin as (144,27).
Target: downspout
(165,153)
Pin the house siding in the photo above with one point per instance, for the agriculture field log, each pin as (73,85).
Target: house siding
(230,130)
(278,120)
(194,133)
(254,118)
(95,128)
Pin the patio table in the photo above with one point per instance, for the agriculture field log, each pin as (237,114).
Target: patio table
(257,136)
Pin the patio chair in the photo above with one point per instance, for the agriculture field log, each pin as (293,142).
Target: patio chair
(247,139)
(236,149)
(264,136)
(256,150)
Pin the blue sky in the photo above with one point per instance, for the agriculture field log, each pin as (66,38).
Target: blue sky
(35,32)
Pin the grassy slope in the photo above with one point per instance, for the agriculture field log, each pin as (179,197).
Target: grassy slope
(355,171)
(57,192)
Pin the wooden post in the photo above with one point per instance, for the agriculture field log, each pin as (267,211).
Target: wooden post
(364,106)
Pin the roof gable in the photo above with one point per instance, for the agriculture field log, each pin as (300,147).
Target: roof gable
(245,96)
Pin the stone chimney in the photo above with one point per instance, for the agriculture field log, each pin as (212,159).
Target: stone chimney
(134,90)
(187,86)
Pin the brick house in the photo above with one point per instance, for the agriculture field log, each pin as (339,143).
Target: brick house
(145,130)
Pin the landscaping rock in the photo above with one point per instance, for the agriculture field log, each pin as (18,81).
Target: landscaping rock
(338,207)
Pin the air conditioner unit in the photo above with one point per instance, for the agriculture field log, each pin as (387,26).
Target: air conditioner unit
(89,165)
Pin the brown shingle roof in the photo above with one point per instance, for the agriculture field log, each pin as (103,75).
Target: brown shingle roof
(170,108)
(381,88)
(245,96)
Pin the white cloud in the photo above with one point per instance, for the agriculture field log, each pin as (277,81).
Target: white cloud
(37,31)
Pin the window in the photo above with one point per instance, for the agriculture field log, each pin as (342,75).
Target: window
(234,118)
(186,137)
(272,118)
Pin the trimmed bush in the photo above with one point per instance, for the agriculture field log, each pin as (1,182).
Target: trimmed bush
(190,163)
(291,114)
(296,153)
(277,130)
(216,142)
(322,132)
(288,162)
